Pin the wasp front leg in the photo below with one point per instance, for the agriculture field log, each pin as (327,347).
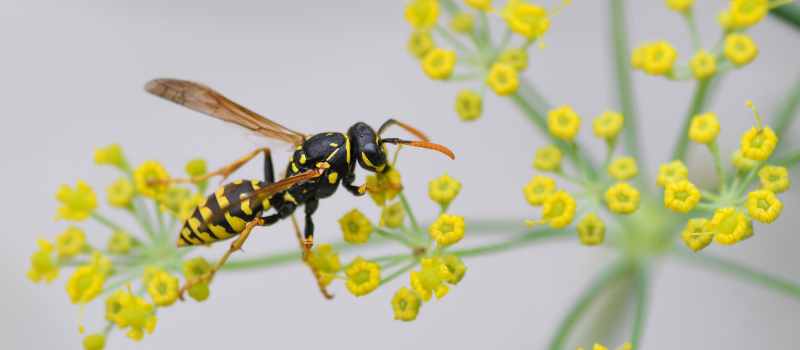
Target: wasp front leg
(347,182)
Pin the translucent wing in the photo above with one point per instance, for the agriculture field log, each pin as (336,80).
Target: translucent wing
(205,100)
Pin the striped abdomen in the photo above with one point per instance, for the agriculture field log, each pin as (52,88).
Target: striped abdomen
(222,215)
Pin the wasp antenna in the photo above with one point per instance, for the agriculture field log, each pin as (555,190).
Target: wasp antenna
(422,144)
(419,134)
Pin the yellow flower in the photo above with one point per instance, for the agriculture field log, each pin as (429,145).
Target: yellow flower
(134,312)
(563,123)
(193,269)
(526,19)
(697,234)
(671,172)
(43,266)
(163,288)
(405,304)
(539,188)
(326,261)
(703,65)
(447,229)
(774,178)
(76,204)
(764,206)
(151,179)
(547,158)
(439,63)
(681,196)
(114,306)
(422,14)
(420,43)
(704,128)
(658,58)
(392,216)
(120,193)
(170,201)
(741,163)
(608,125)
(85,284)
(622,198)
(682,6)
(483,5)
(110,155)
(725,20)
(455,267)
(503,79)
(70,242)
(623,168)
(558,210)
(758,144)
(469,105)
(745,13)
(120,243)
(430,279)
(637,56)
(196,167)
(94,342)
(383,187)
(356,228)
(515,57)
(740,49)
(729,226)
(362,276)
(591,230)
(462,23)
(100,262)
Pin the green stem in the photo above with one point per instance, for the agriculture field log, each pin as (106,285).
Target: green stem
(140,212)
(106,222)
(397,237)
(693,30)
(787,111)
(740,271)
(398,273)
(411,217)
(611,274)
(714,149)
(790,159)
(624,83)
(699,100)
(513,243)
(271,260)
(642,300)
(789,14)
(452,40)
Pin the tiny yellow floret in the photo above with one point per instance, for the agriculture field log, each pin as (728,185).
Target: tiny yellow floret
(443,190)
(681,196)
(563,123)
(363,276)
(703,65)
(430,279)
(383,187)
(392,216)
(547,158)
(775,178)
(622,198)
(151,179)
(483,5)
(439,63)
(356,227)
(670,172)
(697,234)
(111,155)
(469,105)
(608,125)
(539,188)
(515,57)
(70,243)
(742,163)
(558,209)
(43,265)
(447,229)
(729,226)
(95,341)
(463,23)
(120,193)
(681,6)
(163,289)
(133,312)
(659,58)
(704,128)
(85,284)
(529,20)
(746,13)
(120,242)
(326,260)
(422,14)
(740,49)
(758,143)
(764,206)
(420,43)
(405,304)
(455,267)
(591,230)
(503,79)
(76,204)
(623,168)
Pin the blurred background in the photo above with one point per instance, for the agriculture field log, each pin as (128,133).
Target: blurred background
(71,79)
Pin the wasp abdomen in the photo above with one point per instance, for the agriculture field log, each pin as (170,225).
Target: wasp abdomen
(223,214)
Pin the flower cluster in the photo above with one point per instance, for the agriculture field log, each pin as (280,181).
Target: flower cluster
(735,48)
(136,275)
(469,54)
(559,207)
(438,269)
(732,207)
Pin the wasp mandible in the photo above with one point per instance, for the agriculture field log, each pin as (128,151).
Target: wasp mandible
(319,164)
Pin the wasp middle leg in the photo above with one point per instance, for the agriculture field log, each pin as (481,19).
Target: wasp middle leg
(306,254)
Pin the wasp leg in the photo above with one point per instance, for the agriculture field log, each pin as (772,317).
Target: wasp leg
(306,253)
(308,234)
(235,246)
(229,169)
(357,191)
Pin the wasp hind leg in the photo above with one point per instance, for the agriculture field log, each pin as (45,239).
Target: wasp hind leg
(236,245)
(303,241)
(229,169)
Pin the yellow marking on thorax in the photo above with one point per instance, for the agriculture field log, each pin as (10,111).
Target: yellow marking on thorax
(265,205)
(303,158)
(330,156)
(221,200)
(347,147)
(289,198)
(333,144)
(246,207)
(236,223)
(323,165)
(294,168)
(255,185)
(237,182)
(332,177)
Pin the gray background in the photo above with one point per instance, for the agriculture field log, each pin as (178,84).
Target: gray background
(71,78)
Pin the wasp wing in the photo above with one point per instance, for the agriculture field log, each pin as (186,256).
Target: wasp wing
(205,100)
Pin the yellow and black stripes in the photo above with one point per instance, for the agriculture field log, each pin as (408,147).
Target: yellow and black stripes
(222,215)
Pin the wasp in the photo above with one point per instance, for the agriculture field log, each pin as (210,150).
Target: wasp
(319,164)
